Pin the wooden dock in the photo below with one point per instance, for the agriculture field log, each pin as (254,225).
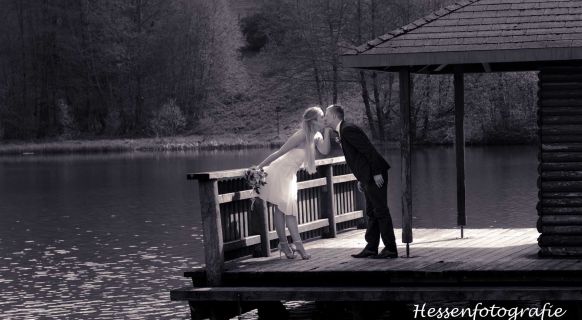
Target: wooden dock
(485,265)
(242,272)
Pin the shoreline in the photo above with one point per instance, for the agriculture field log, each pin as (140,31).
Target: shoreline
(185,143)
(87,146)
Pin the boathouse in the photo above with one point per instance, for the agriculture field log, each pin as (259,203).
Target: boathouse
(474,36)
(471,36)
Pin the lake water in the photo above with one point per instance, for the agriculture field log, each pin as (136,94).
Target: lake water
(107,236)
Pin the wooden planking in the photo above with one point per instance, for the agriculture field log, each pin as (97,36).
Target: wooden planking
(331,269)
(434,251)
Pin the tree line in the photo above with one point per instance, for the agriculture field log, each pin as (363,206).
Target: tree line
(302,42)
(113,67)
(90,68)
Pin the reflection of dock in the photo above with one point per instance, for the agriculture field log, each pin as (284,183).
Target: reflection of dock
(487,265)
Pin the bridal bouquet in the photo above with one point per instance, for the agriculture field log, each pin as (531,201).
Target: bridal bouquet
(256,178)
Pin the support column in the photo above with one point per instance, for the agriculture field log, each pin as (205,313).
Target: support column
(460,147)
(212,227)
(406,156)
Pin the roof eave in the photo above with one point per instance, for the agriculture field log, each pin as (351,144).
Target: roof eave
(395,61)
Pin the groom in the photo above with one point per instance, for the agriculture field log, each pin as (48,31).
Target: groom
(371,170)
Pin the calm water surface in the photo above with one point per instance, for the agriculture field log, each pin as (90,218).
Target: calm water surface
(107,236)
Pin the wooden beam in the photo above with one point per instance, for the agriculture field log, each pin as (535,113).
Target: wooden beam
(226,174)
(349,216)
(393,293)
(460,147)
(212,230)
(242,243)
(235,196)
(406,156)
(344,178)
(424,69)
(314,183)
(329,204)
(441,67)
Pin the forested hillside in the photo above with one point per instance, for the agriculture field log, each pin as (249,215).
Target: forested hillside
(142,68)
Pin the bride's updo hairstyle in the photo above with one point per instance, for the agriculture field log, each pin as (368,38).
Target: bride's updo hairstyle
(309,126)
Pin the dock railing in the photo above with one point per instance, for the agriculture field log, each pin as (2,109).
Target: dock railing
(328,201)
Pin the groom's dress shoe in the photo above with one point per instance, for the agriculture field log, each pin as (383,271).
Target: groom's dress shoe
(386,254)
(365,254)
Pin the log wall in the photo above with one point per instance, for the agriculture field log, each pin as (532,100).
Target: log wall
(560,161)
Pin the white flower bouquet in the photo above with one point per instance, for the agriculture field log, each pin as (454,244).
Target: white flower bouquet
(256,178)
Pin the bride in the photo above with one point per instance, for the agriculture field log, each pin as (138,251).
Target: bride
(281,187)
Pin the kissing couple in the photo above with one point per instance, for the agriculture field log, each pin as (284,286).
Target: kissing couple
(366,163)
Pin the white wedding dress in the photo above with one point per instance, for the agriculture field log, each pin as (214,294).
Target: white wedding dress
(281,187)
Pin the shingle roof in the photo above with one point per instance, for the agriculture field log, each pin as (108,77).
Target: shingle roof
(480,31)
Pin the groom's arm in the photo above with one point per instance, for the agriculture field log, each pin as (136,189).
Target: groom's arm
(357,138)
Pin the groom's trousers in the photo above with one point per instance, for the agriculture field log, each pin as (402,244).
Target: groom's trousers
(379,219)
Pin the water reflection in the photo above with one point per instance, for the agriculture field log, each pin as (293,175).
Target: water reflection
(106,236)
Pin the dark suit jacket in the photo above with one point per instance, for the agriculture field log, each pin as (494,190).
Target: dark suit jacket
(361,156)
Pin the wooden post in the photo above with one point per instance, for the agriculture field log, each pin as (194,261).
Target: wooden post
(212,226)
(406,156)
(329,200)
(460,147)
(260,223)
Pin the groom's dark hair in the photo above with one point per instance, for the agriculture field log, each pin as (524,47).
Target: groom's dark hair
(337,110)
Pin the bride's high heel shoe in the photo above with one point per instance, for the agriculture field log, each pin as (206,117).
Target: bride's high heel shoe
(299,248)
(284,248)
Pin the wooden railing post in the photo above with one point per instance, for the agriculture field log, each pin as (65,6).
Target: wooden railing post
(329,200)
(260,223)
(212,228)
